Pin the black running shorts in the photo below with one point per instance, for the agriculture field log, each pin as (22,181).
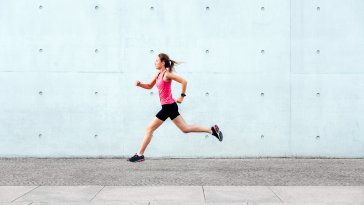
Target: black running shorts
(168,110)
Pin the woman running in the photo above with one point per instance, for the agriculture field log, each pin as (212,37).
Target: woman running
(163,78)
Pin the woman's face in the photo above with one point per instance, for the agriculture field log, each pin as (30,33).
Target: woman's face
(158,63)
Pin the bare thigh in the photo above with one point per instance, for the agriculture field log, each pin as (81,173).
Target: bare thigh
(180,123)
(154,124)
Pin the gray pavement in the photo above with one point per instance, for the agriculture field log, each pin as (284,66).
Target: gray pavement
(38,181)
(198,172)
(198,195)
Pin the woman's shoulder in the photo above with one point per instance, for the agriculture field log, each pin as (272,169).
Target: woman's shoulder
(167,73)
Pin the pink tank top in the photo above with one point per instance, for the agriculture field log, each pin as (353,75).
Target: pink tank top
(164,89)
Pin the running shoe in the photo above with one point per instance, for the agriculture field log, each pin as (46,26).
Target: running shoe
(216,132)
(136,158)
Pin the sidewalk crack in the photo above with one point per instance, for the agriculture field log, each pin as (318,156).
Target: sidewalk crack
(203,191)
(97,193)
(275,194)
(23,194)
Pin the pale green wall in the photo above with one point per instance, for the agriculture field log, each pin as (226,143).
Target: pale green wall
(63,120)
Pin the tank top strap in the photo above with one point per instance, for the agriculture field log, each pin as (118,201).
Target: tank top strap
(164,73)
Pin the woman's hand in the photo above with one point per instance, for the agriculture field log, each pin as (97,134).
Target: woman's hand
(137,83)
(180,99)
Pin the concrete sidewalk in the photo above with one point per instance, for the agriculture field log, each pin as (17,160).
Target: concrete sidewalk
(194,195)
(39,181)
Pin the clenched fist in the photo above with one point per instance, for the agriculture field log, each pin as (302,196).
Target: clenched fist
(179,100)
(137,83)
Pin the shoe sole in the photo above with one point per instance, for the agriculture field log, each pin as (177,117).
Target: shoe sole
(140,160)
(220,136)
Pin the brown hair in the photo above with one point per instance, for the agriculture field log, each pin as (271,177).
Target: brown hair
(168,63)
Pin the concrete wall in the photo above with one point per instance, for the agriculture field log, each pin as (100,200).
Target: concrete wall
(280,78)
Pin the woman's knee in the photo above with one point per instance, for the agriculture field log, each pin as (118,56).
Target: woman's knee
(149,129)
(186,129)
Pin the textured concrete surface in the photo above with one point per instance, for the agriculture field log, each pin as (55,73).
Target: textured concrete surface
(199,172)
(37,181)
(184,195)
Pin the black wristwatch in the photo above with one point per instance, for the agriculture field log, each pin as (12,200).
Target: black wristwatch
(182,94)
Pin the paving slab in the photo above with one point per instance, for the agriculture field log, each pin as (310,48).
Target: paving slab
(323,194)
(61,194)
(151,193)
(239,194)
(10,193)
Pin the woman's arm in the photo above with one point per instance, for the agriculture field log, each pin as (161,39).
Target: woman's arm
(179,79)
(149,85)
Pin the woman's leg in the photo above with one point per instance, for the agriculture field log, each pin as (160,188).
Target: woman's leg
(185,128)
(153,125)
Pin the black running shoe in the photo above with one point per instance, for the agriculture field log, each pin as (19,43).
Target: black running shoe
(217,133)
(136,158)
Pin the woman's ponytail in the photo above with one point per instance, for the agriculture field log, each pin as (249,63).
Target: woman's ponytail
(168,63)
(172,64)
